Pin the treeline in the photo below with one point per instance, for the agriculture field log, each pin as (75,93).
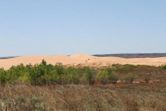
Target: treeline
(45,74)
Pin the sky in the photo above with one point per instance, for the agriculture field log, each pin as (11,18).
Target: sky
(53,27)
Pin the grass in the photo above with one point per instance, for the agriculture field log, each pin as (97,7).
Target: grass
(83,98)
(46,87)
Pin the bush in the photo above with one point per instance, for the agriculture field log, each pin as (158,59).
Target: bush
(88,75)
(104,76)
(123,68)
(129,79)
(3,78)
(163,67)
(45,74)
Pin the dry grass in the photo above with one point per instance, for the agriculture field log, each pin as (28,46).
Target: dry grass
(17,94)
(147,97)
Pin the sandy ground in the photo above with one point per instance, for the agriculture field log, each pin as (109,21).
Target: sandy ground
(81,60)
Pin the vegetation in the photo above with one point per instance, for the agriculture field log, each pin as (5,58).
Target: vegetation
(46,87)
(46,74)
(83,98)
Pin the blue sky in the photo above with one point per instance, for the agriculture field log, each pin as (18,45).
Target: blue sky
(50,27)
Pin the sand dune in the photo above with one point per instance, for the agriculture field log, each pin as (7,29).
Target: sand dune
(80,59)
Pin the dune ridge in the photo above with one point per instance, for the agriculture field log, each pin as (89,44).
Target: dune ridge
(81,59)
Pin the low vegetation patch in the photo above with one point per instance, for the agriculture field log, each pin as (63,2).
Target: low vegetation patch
(31,88)
(83,98)
(45,74)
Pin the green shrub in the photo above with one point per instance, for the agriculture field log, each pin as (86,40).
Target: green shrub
(105,76)
(43,73)
(163,67)
(3,78)
(123,68)
(46,74)
(88,75)
(38,74)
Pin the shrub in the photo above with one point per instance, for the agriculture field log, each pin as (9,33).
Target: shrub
(38,74)
(163,67)
(123,68)
(3,78)
(88,75)
(104,76)
(129,79)
(44,73)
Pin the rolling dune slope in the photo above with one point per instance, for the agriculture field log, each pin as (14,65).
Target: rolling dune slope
(81,60)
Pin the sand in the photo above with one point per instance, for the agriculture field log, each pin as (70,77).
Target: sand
(81,59)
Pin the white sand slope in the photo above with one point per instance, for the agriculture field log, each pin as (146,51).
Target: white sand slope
(80,59)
